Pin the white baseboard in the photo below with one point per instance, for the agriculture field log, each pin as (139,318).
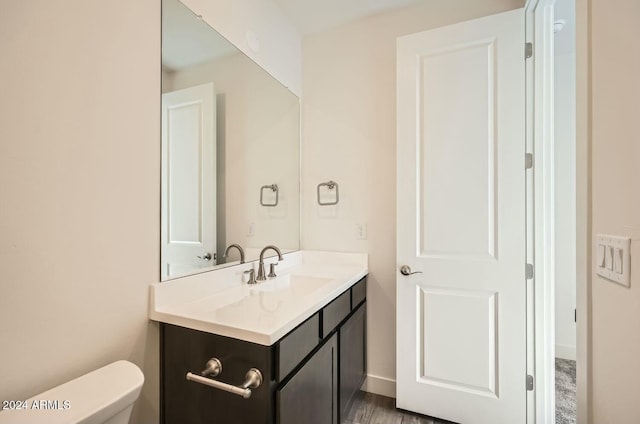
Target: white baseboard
(380,385)
(566,352)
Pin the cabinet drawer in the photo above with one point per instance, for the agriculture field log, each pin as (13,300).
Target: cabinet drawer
(335,312)
(296,345)
(358,293)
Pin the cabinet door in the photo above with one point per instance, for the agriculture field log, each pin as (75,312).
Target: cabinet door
(311,396)
(353,361)
(188,402)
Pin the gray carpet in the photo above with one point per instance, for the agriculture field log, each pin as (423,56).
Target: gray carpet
(565,391)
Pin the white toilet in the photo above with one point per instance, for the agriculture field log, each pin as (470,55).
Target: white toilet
(104,396)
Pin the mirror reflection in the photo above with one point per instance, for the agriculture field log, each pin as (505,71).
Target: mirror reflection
(230,151)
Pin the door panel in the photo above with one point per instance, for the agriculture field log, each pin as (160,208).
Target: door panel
(461,221)
(188,180)
(446,88)
(445,360)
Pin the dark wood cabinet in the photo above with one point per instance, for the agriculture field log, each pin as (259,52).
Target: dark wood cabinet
(187,402)
(295,346)
(353,361)
(309,376)
(311,395)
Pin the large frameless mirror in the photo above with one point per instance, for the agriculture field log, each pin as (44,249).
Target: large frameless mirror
(230,151)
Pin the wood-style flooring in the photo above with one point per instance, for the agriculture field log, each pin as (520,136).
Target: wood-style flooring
(375,409)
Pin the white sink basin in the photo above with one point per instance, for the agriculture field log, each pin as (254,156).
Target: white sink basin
(298,285)
(271,297)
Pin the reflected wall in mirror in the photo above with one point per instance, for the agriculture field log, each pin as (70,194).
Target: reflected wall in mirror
(228,130)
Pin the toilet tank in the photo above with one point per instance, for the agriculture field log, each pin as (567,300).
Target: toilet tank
(103,396)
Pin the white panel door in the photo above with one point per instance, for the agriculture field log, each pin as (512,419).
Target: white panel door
(461,221)
(188,180)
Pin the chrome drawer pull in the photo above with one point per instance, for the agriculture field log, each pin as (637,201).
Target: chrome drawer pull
(253,379)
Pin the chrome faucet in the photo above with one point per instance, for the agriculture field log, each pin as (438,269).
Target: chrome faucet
(261,276)
(237,246)
(251,276)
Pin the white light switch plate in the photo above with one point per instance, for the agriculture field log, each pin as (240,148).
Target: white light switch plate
(613,258)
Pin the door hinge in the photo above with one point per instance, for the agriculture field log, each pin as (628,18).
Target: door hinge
(528,50)
(528,160)
(529,383)
(529,271)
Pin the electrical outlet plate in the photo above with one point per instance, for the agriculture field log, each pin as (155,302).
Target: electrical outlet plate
(361,231)
(613,258)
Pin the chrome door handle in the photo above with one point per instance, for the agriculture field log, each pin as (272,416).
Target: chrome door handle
(406,270)
(206,257)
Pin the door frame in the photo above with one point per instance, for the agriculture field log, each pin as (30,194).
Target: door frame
(539,16)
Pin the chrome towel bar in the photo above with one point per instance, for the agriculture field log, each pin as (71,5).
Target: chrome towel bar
(253,379)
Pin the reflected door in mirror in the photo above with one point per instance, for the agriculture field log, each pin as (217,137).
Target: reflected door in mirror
(189,180)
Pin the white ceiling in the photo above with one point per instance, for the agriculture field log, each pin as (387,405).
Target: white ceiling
(309,16)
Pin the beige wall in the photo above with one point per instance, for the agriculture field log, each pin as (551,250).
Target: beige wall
(615,102)
(79,165)
(349,136)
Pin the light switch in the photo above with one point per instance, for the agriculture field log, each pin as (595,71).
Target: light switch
(613,258)
(600,258)
(617,260)
(608,258)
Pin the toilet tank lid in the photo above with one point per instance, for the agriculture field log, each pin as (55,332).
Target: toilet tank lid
(90,398)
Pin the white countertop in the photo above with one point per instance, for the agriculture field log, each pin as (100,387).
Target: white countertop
(219,302)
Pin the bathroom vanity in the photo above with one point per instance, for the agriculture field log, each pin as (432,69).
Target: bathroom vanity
(288,350)
(305,331)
